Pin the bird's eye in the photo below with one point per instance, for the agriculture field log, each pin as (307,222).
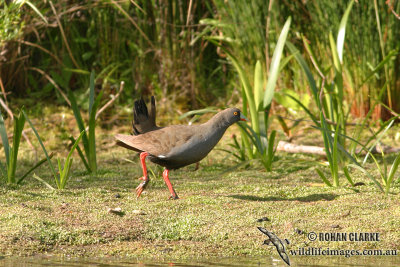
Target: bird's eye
(235,113)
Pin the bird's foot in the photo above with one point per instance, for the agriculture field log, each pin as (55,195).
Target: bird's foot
(169,185)
(173,197)
(142,185)
(143,178)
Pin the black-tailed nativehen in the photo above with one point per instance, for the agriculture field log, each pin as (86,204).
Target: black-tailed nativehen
(173,146)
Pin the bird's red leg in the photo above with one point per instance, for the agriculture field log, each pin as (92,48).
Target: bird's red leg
(145,177)
(169,185)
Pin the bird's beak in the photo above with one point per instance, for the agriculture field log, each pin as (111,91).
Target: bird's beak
(243,118)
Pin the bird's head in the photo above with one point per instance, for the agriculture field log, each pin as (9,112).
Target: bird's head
(232,115)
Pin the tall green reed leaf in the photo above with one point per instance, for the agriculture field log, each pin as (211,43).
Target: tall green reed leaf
(64,172)
(80,153)
(274,67)
(323,177)
(382,45)
(258,86)
(19,122)
(255,98)
(310,78)
(88,140)
(368,175)
(33,168)
(91,92)
(34,8)
(335,158)
(79,122)
(247,90)
(92,124)
(329,101)
(342,31)
(392,172)
(378,136)
(11,152)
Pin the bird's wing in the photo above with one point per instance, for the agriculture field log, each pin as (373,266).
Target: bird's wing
(158,142)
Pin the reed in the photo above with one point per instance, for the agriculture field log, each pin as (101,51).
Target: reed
(256,96)
(11,151)
(88,139)
(60,178)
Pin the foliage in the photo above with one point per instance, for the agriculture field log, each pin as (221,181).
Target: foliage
(88,140)
(11,152)
(156,46)
(369,23)
(332,119)
(256,142)
(247,41)
(386,178)
(10,22)
(62,177)
(330,102)
(148,44)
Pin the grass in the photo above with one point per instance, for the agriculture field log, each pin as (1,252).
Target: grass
(215,217)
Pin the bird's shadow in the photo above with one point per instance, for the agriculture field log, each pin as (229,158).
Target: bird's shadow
(309,198)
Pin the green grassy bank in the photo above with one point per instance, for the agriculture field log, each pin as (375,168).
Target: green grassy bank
(216,215)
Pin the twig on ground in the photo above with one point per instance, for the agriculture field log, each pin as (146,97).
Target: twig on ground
(293,148)
(316,150)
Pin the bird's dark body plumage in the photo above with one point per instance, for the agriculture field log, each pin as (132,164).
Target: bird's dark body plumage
(179,145)
(175,146)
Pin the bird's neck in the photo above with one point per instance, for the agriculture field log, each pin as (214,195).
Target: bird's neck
(217,124)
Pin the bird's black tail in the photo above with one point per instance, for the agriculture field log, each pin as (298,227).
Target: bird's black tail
(143,121)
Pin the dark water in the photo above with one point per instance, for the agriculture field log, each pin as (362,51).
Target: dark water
(265,261)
